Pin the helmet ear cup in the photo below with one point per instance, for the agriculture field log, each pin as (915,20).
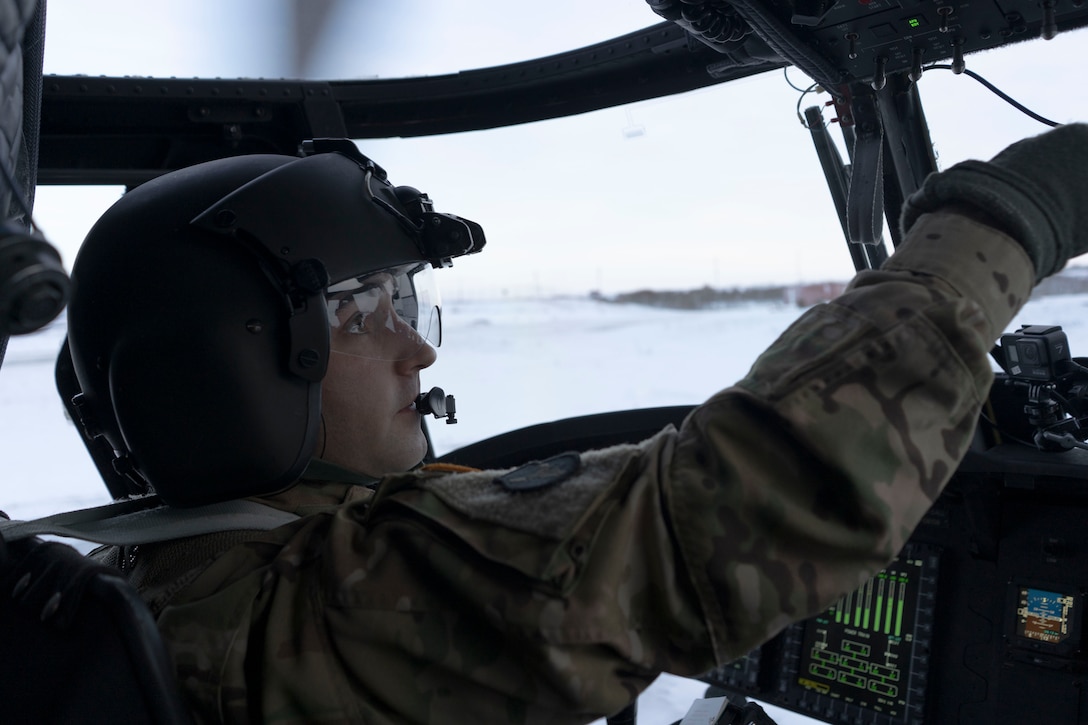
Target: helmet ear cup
(200,384)
(197,377)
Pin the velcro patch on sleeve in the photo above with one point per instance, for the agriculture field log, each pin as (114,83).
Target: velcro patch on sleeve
(546,498)
(541,474)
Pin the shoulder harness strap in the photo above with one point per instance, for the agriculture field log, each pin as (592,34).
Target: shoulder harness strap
(145,520)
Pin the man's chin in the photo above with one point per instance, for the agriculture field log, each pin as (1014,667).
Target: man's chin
(409,455)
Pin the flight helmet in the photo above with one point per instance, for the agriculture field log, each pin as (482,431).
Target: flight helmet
(198,326)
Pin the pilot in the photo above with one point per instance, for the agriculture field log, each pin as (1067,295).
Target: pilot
(255,327)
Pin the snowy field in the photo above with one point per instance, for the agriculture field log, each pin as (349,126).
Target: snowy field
(510,363)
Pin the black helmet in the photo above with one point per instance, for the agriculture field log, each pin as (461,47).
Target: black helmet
(197,328)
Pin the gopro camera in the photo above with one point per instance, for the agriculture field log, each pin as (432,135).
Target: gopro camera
(1036,352)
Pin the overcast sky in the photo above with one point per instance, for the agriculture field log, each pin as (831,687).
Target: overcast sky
(719,186)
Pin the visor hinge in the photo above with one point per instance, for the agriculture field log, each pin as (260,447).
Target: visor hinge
(308,324)
(310,277)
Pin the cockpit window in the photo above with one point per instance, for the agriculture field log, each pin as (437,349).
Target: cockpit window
(324,40)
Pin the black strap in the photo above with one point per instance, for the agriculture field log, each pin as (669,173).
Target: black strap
(145,520)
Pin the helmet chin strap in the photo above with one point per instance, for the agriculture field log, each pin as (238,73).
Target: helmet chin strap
(435,402)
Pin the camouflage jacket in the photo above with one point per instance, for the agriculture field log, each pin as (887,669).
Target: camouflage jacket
(556,593)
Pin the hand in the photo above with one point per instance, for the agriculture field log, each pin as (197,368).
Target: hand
(1035,190)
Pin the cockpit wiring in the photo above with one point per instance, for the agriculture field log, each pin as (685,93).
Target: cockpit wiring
(999,93)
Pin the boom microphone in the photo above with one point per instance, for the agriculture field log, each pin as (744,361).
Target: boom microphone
(435,402)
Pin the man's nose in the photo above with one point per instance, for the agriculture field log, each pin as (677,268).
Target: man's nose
(418,353)
(426,355)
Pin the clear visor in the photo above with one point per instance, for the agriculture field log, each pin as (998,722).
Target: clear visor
(386,315)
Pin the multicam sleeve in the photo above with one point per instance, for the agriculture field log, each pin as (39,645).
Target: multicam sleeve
(795,486)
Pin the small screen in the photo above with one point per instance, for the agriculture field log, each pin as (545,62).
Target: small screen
(1044,616)
(860,650)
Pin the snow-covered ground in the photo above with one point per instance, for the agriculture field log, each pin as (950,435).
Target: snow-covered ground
(510,363)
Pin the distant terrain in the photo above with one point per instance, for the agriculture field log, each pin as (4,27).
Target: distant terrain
(1073,280)
(710,297)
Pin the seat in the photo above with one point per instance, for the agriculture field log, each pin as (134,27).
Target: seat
(78,643)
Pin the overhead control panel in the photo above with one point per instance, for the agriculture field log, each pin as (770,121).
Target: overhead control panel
(870,39)
(866,40)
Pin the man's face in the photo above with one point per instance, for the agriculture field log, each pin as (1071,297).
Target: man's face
(370,422)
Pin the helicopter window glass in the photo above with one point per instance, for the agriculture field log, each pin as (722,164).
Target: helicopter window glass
(353,40)
(601,226)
